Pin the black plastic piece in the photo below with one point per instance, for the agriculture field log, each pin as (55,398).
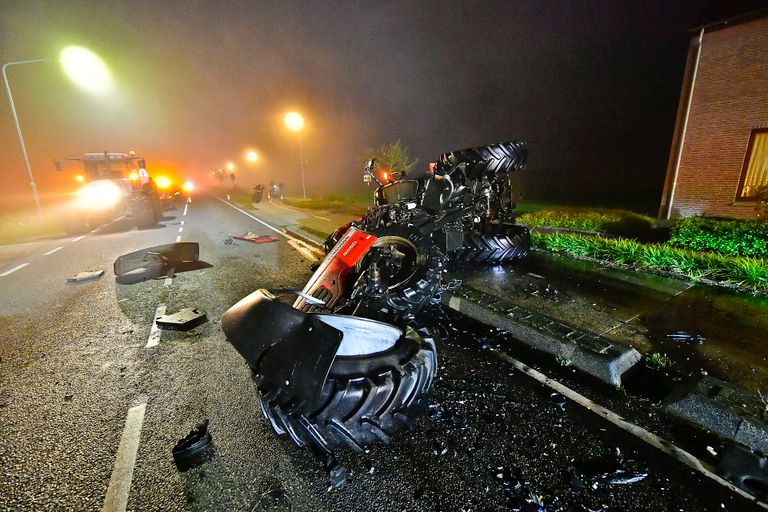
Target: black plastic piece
(745,469)
(182,320)
(290,351)
(194,448)
(157,261)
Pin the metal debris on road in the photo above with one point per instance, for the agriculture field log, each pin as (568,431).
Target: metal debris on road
(274,500)
(194,448)
(257,239)
(183,320)
(85,276)
(686,337)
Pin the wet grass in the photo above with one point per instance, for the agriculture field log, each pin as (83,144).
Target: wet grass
(18,227)
(620,222)
(355,203)
(745,272)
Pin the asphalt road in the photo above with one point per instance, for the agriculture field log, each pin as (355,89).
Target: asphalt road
(89,414)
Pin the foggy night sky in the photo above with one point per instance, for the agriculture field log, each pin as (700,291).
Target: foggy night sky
(593,86)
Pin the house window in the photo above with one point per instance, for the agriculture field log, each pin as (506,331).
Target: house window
(755,171)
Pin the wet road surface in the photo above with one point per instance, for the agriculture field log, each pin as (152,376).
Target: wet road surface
(74,361)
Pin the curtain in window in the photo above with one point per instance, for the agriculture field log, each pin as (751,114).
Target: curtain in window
(757,169)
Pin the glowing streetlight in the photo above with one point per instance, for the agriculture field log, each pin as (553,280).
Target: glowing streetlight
(84,68)
(230,166)
(294,122)
(252,156)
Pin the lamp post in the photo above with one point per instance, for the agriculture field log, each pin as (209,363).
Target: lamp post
(84,68)
(16,124)
(294,122)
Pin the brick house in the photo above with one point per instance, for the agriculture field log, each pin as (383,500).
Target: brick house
(719,153)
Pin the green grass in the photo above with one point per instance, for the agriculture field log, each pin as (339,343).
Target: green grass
(22,226)
(620,222)
(750,273)
(355,203)
(657,360)
(731,237)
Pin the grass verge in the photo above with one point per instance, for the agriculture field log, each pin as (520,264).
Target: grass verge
(750,273)
(23,226)
(619,222)
(354,203)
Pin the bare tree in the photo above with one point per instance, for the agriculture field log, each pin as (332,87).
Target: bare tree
(392,158)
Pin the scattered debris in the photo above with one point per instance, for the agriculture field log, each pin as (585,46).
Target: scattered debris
(158,261)
(745,468)
(194,448)
(229,241)
(274,500)
(183,320)
(257,239)
(686,337)
(337,474)
(85,276)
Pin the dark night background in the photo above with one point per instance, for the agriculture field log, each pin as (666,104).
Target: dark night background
(593,86)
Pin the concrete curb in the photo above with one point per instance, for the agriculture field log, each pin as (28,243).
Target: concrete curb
(588,352)
(715,406)
(305,237)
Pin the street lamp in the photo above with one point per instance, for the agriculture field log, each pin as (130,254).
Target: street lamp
(252,156)
(294,122)
(84,68)
(230,166)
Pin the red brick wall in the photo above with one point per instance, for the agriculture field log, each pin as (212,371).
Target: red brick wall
(730,98)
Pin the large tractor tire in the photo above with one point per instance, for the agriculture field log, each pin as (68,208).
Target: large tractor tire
(505,245)
(367,397)
(145,210)
(483,160)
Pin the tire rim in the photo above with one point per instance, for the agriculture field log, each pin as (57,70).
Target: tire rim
(405,251)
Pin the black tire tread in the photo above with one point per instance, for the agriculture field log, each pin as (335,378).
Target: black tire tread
(485,249)
(358,411)
(495,158)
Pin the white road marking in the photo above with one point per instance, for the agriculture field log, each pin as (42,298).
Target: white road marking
(78,238)
(154,332)
(185,209)
(181,229)
(319,217)
(302,250)
(300,246)
(53,250)
(14,269)
(178,238)
(650,438)
(256,219)
(182,223)
(125,460)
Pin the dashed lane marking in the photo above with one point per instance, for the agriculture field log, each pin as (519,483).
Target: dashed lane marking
(78,238)
(185,209)
(182,223)
(178,238)
(53,250)
(181,229)
(14,269)
(154,332)
(122,473)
